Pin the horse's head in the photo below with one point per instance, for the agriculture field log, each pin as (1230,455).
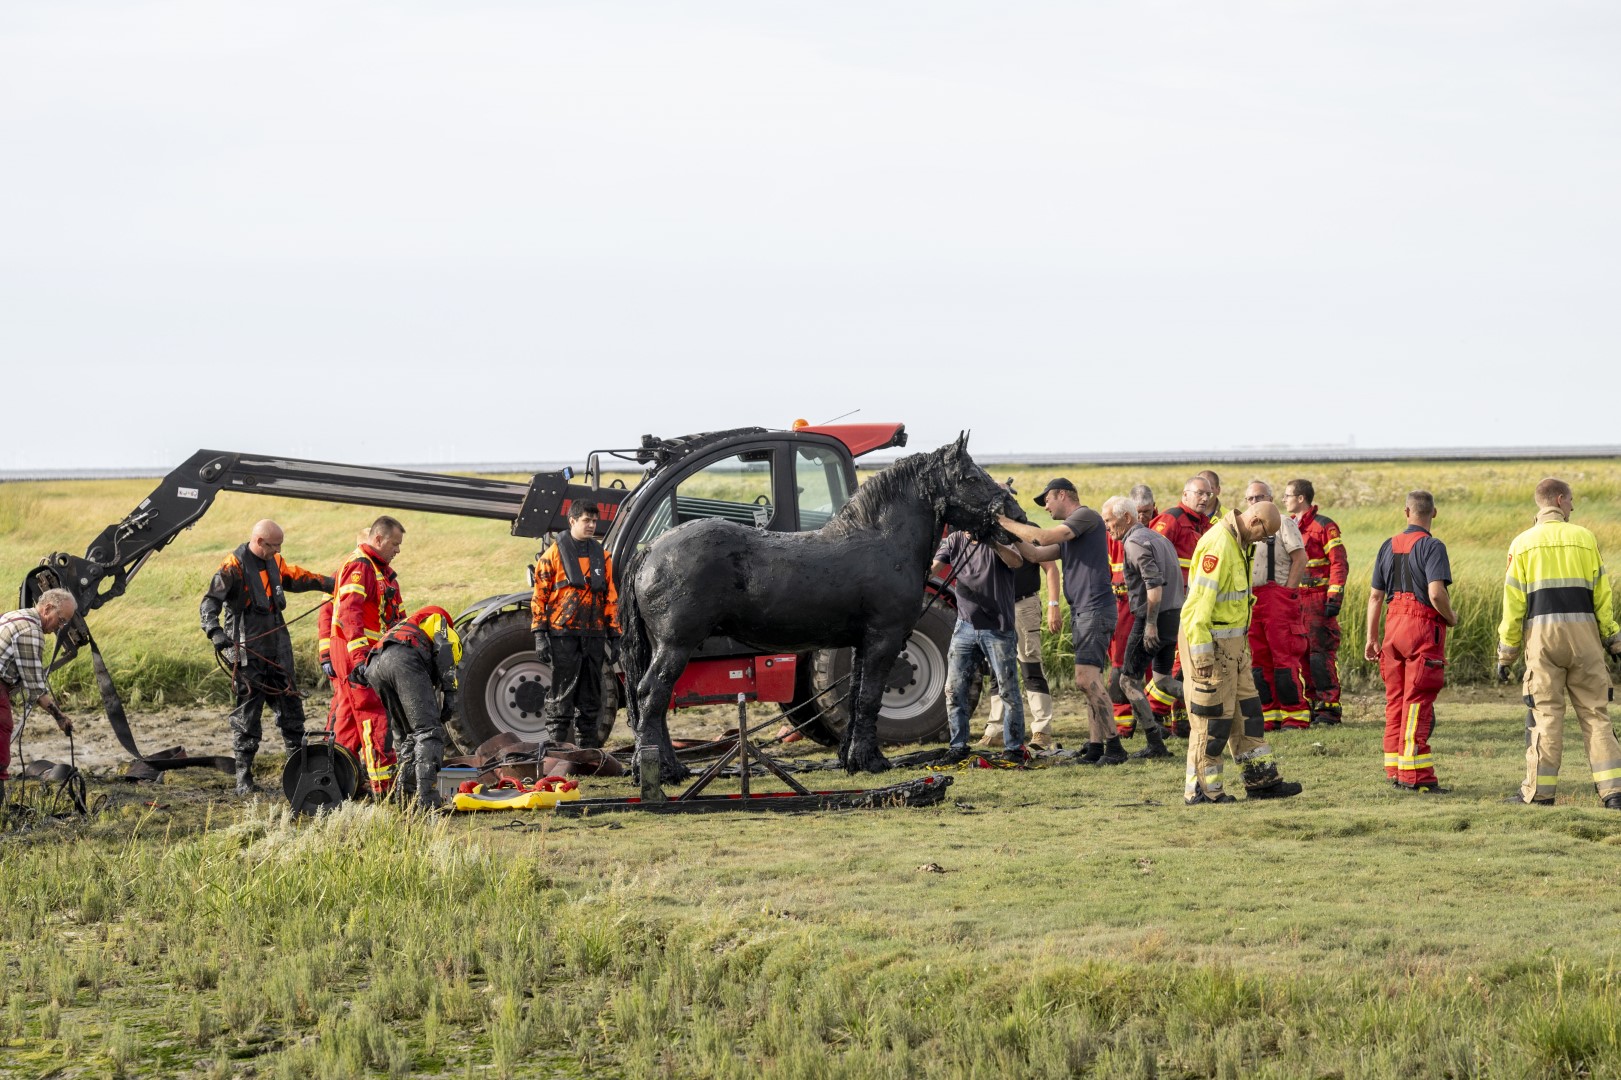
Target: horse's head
(971,500)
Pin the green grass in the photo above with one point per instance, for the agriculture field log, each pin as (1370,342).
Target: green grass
(158,654)
(1085,924)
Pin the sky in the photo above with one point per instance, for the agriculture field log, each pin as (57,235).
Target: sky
(414,232)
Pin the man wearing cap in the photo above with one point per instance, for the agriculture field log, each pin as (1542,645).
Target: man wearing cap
(1079,542)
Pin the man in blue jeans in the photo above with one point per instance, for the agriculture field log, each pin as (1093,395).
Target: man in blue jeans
(984,587)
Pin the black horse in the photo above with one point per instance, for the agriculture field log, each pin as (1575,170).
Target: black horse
(856,582)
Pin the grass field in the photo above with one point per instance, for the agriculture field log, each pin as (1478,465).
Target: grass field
(158,654)
(1049,923)
(1053,922)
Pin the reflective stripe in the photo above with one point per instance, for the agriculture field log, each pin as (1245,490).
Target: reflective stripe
(1229,597)
(359,643)
(1228,632)
(1558,583)
(1607,774)
(1332,589)
(1184,563)
(1332,544)
(1564,617)
(1511,583)
(1156,694)
(1316,562)
(1203,648)
(1410,733)
(1390,759)
(357,590)
(1200,581)
(374,635)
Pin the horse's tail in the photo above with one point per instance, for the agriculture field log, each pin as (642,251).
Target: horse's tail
(636,651)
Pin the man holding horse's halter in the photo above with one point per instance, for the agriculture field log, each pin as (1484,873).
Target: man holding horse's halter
(1080,543)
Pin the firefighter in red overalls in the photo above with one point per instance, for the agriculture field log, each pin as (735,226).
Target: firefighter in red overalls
(1125,723)
(1183,525)
(365,600)
(1412,572)
(1277,634)
(1327,569)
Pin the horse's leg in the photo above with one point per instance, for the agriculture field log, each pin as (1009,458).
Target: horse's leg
(655,690)
(852,698)
(874,657)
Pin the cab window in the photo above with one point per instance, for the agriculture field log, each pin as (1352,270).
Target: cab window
(819,475)
(736,489)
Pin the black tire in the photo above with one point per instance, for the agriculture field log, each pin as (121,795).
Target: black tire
(503,685)
(914,708)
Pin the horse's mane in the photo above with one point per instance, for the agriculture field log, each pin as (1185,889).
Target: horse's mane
(907,478)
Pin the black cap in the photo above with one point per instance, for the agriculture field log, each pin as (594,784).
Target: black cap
(1057,483)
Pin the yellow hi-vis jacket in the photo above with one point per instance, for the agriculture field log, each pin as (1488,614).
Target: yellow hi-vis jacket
(1554,575)
(1218,602)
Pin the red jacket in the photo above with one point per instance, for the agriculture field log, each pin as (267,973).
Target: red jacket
(1183,527)
(1327,565)
(1117,568)
(367,598)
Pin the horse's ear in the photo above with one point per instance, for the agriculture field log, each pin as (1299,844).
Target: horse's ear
(962,441)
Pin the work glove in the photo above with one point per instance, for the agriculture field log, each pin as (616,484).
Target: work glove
(357,675)
(220,638)
(543,646)
(1332,607)
(328,670)
(1502,673)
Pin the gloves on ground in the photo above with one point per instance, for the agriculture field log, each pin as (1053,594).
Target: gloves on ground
(357,675)
(543,646)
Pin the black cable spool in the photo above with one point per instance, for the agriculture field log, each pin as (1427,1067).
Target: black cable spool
(319,776)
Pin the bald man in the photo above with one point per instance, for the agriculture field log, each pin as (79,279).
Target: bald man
(249,594)
(1224,710)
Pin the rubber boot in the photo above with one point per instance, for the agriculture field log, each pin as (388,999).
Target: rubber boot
(1113,753)
(244,775)
(427,785)
(1093,753)
(1156,747)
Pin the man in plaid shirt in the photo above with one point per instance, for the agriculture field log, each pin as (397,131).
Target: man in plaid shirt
(22,665)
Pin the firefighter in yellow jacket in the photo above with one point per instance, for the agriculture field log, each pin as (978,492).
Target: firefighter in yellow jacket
(576,625)
(1224,710)
(1556,603)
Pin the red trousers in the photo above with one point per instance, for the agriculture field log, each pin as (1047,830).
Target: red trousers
(360,723)
(5,731)
(1125,723)
(1413,665)
(1322,670)
(1277,650)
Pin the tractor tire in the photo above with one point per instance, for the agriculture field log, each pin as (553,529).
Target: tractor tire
(914,706)
(503,684)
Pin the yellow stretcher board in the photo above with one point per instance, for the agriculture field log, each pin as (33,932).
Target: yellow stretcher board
(512,799)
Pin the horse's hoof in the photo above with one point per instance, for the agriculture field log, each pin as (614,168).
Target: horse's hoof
(672,771)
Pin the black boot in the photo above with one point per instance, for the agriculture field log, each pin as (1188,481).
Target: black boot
(427,777)
(1092,753)
(1156,747)
(1113,753)
(1263,782)
(244,775)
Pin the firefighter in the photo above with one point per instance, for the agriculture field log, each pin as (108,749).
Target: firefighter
(1183,524)
(1154,591)
(1277,634)
(413,670)
(1556,603)
(241,614)
(366,600)
(22,666)
(1327,570)
(1411,573)
(1223,709)
(575,611)
(1209,476)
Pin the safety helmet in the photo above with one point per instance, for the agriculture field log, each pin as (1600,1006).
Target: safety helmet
(435,621)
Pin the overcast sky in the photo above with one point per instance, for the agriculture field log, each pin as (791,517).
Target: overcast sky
(418,232)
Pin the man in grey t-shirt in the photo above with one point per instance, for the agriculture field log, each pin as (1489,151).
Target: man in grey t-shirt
(1079,543)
